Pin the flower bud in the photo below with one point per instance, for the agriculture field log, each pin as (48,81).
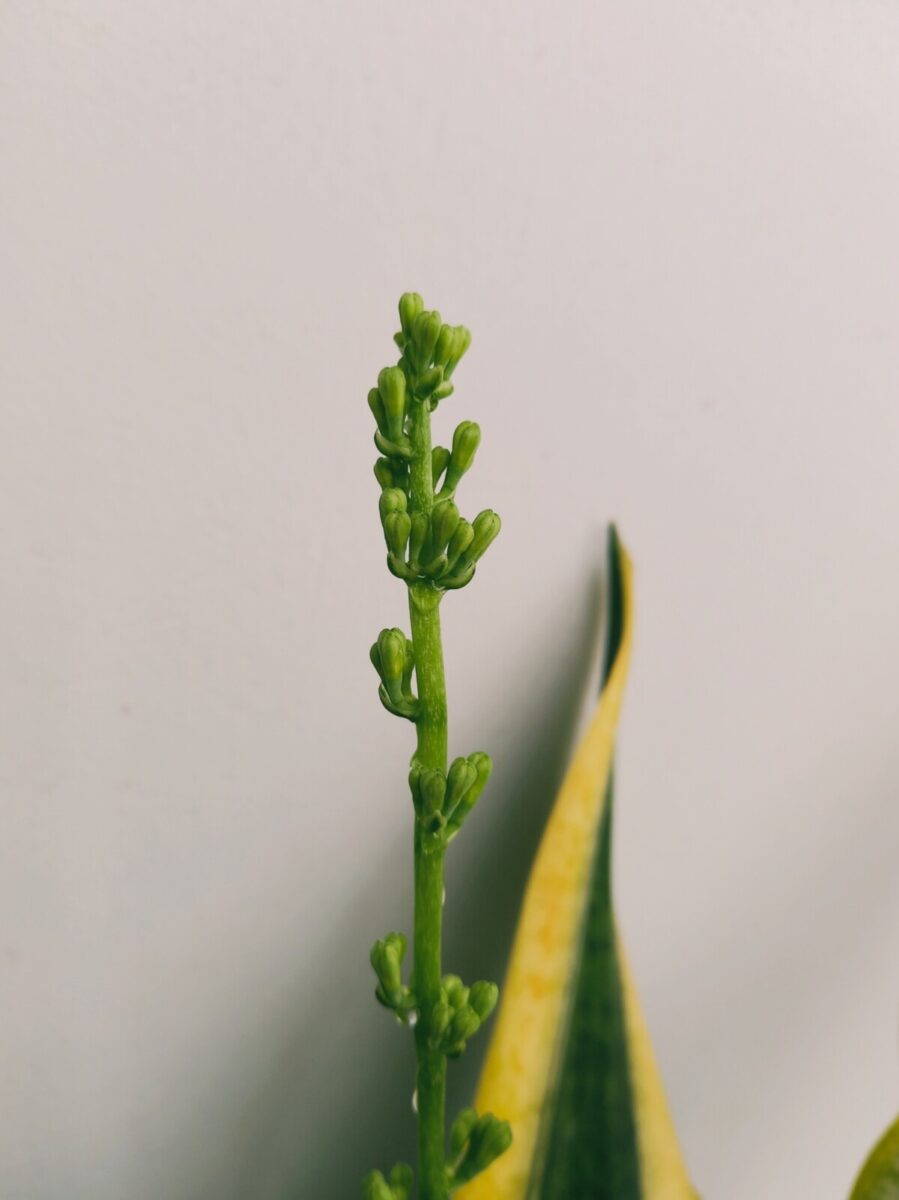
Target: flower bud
(376,404)
(392,389)
(392,500)
(463,1026)
(440,457)
(397,526)
(483,997)
(411,304)
(466,440)
(420,527)
(376,1187)
(483,766)
(389,657)
(431,789)
(386,958)
(423,338)
(444,521)
(462,774)
(461,1130)
(461,342)
(459,543)
(401,1181)
(455,990)
(446,341)
(384,473)
(486,526)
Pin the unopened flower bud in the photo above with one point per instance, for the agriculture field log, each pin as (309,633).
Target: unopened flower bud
(420,527)
(384,473)
(423,338)
(483,997)
(392,500)
(461,1130)
(461,342)
(376,404)
(386,958)
(466,440)
(483,766)
(431,788)
(392,389)
(454,989)
(440,456)
(389,657)
(397,526)
(486,526)
(462,774)
(459,543)
(464,1025)
(376,1187)
(401,1181)
(411,304)
(444,522)
(446,341)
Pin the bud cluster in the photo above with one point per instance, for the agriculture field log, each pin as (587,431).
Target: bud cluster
(439,545)
(393,659)
(459,1013)
(475,1142)
(442,802)
(398,1186)
(386,958)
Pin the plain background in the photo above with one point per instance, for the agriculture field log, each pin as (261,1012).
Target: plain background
(672,228)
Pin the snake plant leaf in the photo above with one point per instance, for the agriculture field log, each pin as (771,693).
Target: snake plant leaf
(879,1177)
(570,1065)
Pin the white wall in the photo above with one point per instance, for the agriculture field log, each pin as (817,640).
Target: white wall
(672,228)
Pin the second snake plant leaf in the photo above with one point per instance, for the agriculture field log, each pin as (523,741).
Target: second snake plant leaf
(570,1064)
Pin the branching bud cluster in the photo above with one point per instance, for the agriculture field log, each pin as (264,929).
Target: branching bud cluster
(459,1013)
(436,544)
(442,802)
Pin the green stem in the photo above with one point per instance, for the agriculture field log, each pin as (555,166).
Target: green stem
(424,613)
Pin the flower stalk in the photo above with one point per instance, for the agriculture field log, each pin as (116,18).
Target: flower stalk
(433,549)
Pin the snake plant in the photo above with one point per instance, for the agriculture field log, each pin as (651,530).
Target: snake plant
(570,1104)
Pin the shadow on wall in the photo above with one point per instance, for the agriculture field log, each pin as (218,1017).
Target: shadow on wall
(306,1137)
